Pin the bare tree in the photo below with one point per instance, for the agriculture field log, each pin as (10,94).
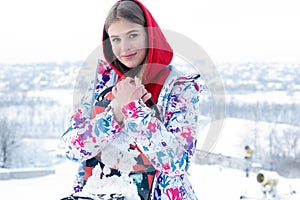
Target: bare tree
(8,142)
(257,155)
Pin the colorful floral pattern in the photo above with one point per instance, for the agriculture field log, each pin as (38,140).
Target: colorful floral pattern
(169,144)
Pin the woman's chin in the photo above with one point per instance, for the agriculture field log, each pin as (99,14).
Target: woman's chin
(130,64)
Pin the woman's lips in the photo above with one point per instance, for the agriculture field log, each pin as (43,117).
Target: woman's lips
(128,56)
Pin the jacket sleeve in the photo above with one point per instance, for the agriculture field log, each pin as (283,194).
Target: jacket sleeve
(169,145)
(86,137)
(79,178)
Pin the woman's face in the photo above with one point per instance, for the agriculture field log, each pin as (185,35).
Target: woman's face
(129,42)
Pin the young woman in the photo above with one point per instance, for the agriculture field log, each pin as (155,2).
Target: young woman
(147,125)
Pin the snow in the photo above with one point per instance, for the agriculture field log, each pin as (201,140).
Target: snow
(209,182)
(235,135)
(53,186)
(279,97)
(215,182)
(125,184)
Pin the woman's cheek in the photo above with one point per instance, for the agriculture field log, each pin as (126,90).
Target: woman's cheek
(116,51)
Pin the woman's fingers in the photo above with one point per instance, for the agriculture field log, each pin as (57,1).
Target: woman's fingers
(130,89)
(114,91)
(128,80)
(146,97)
(137,81)
(137,93)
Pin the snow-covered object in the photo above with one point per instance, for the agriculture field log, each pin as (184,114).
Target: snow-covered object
(118,185)
(267,177)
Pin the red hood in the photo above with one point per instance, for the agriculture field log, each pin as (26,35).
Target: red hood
(159,55)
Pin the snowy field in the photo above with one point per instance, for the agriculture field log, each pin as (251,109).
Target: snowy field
(210,183)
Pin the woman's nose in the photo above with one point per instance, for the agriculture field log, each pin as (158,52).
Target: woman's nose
(126,45)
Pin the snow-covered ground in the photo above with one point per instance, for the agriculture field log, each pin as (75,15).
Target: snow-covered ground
(236,134)
(210,182)
(214,182)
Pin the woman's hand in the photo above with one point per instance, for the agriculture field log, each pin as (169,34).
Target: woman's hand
(128,90)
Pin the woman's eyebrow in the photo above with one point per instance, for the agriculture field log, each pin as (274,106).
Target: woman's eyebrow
(132,31)
(127,33)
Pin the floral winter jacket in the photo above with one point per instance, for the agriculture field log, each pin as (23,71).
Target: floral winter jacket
(169,144)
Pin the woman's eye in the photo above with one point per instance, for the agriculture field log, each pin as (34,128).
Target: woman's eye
(115,39)
(133,35)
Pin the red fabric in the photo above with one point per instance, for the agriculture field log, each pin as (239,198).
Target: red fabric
(159,56)
(88,171)
(99,109)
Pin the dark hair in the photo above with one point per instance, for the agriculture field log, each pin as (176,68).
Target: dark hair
(132,12)
(128,10)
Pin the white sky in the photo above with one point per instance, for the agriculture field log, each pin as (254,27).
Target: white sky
(229,31)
